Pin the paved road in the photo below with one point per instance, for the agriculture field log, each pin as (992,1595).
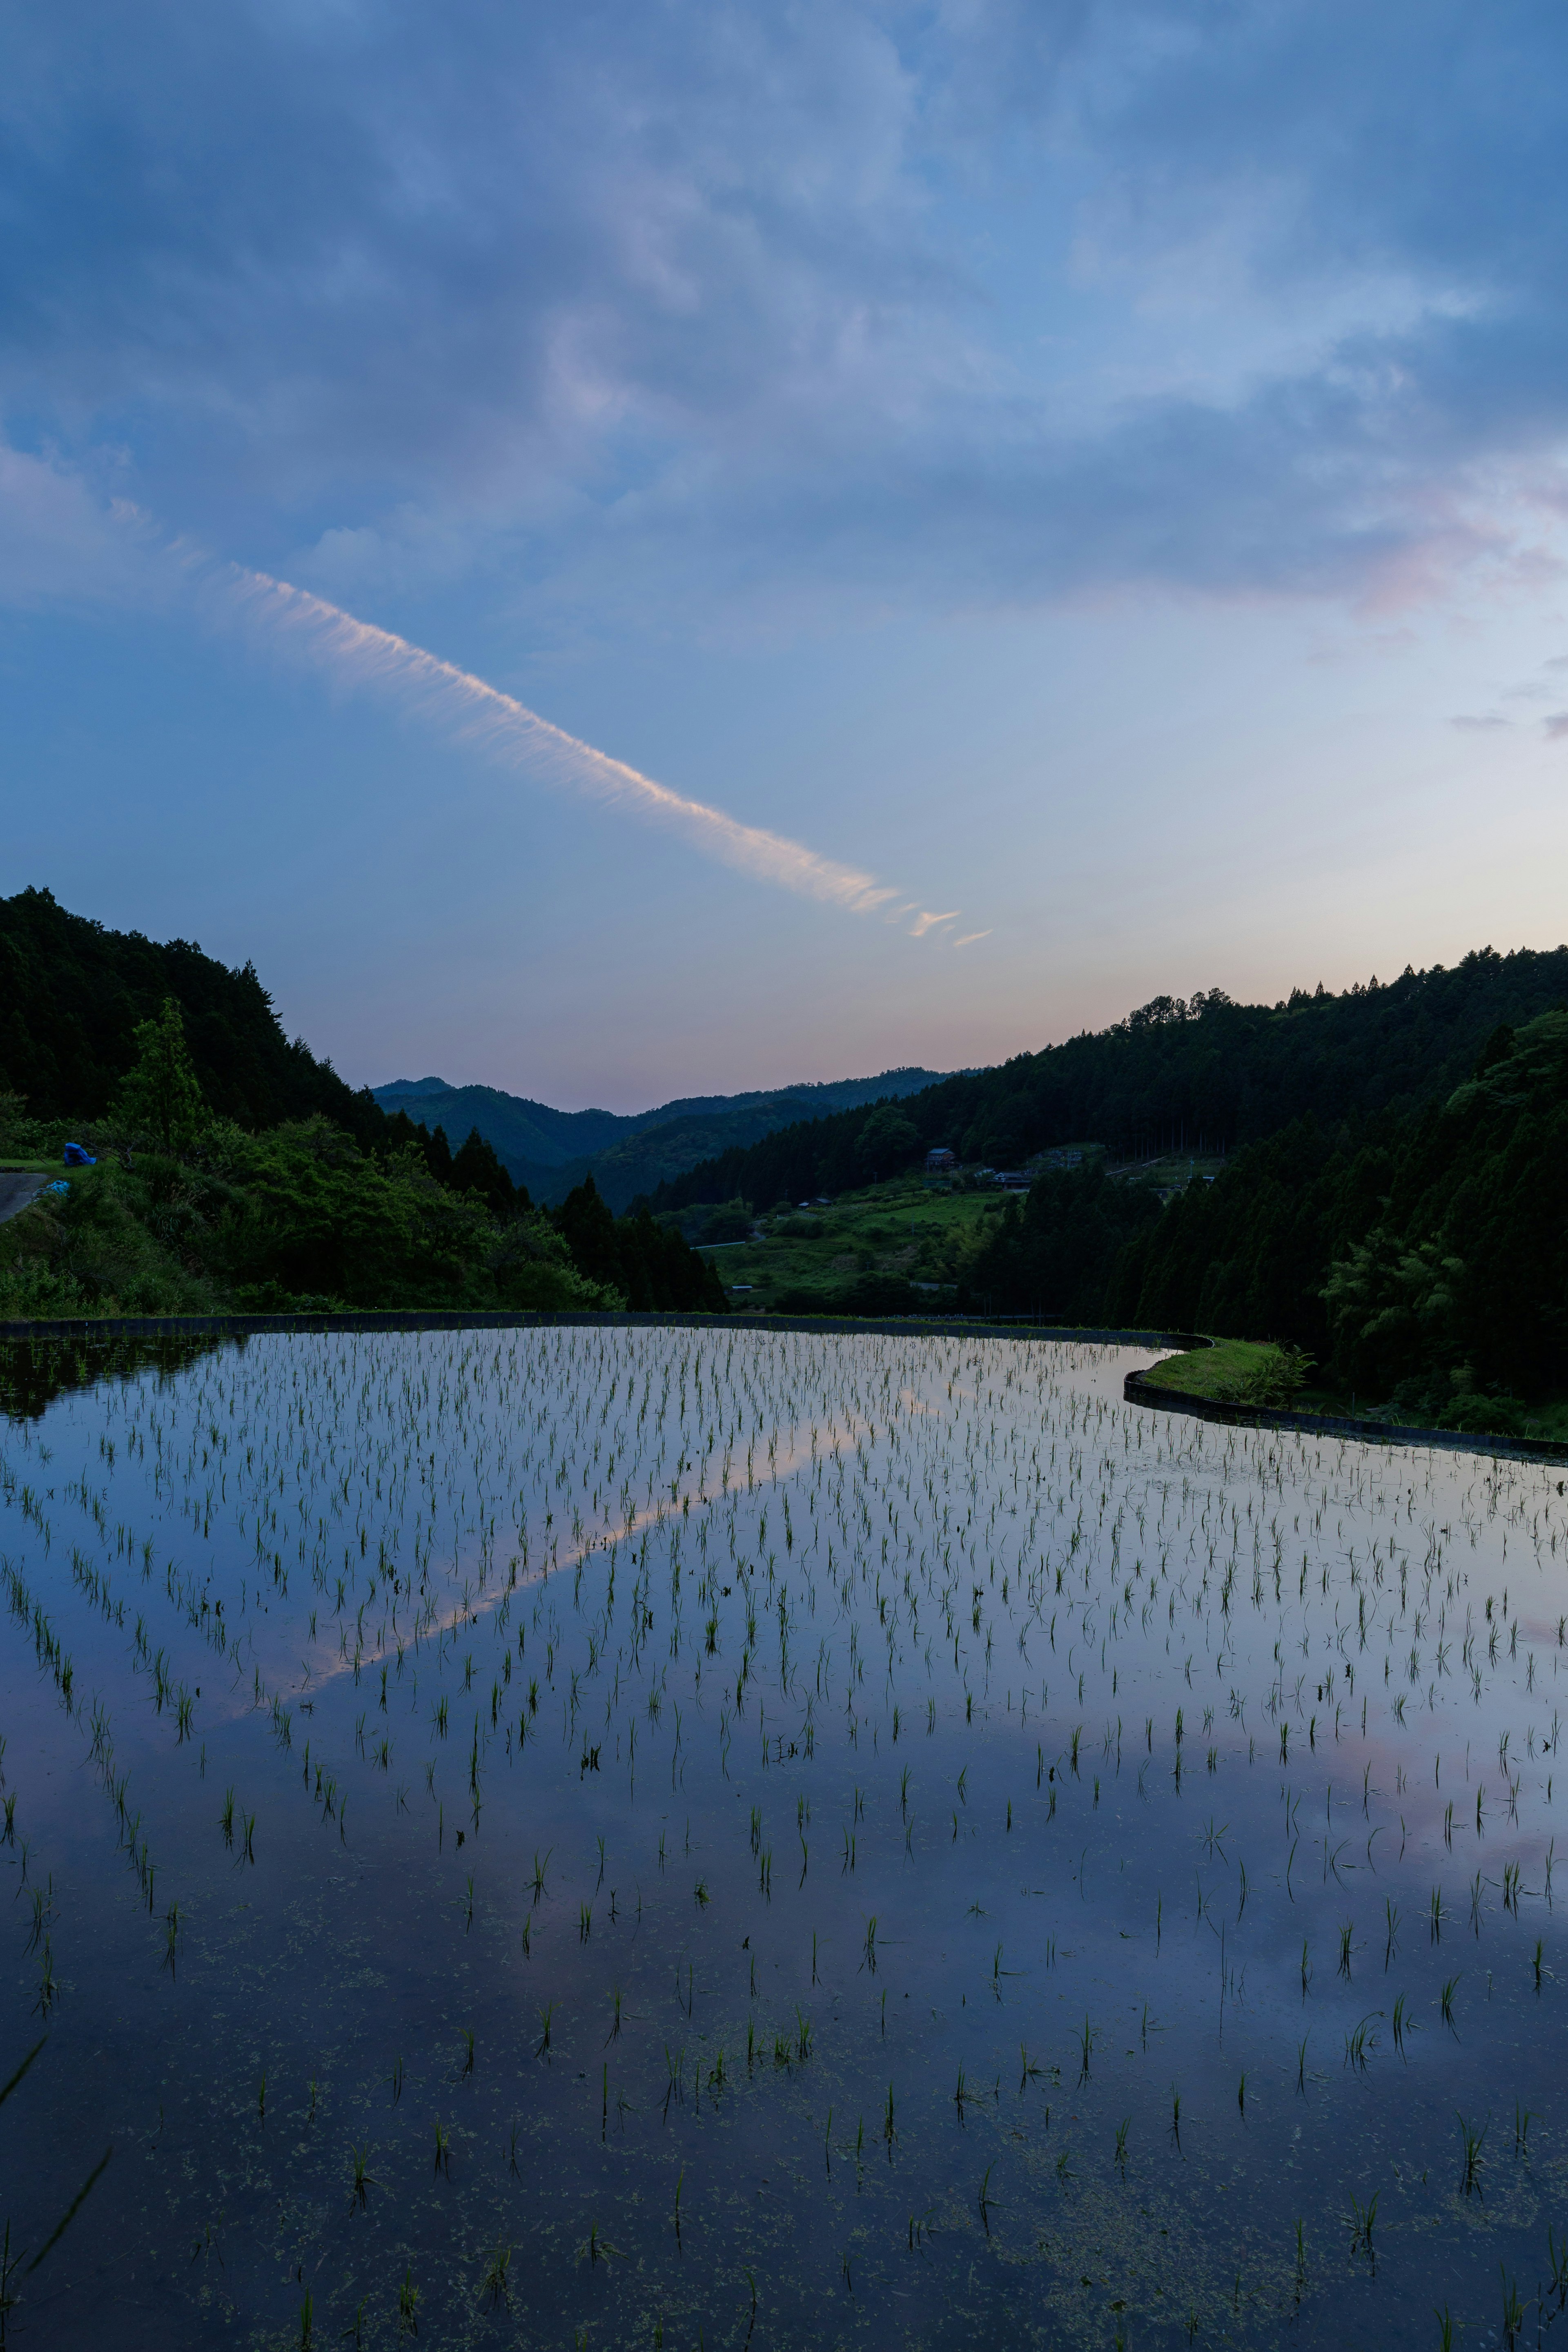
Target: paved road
(16,1192)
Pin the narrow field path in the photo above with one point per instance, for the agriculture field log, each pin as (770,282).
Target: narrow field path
(17,1191)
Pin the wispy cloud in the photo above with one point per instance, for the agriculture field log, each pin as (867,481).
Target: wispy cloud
(505,729)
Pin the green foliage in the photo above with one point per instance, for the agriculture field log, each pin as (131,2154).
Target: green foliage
(298,1219)
(731,1221)
(1055,1252)
(1427,1261)
(866,1294)
(313,1218)
(1393,1306)
(96,1250)
(1275,1377)
(476,1169)
(886,1143)
(159,1098)
(649,1265)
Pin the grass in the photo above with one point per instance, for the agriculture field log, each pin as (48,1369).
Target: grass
(1210,1371)
(1220,1371)
(896,1229)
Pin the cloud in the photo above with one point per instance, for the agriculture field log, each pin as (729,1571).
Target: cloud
(1480,724)
(323,634)
(1557,725)
(994,302)
(57,538)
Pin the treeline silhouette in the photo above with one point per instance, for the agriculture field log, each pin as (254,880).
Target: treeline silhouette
(1200,1074)
(292,1188)
(1420,1258)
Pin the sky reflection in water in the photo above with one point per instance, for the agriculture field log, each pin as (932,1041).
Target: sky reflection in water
(925,1853)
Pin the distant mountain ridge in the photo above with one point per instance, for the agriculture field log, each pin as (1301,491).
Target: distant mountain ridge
(551,1151)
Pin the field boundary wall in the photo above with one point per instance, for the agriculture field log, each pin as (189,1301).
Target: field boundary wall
(243,1326)
(1139,1389)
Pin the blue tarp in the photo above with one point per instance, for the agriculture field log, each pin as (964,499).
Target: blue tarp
(76,1157)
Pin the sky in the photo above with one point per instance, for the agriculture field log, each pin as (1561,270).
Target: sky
(638,550)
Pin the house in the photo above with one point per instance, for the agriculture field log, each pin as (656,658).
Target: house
(1014,1180)
(939,1161)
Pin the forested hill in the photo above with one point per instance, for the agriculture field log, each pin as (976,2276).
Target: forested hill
(1202,1074)
(231,1170)
(1421,1260)
(71,994)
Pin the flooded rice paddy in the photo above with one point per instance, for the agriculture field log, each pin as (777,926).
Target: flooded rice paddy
(605,1838)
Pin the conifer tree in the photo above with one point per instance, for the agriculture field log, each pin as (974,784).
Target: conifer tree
(159,1096)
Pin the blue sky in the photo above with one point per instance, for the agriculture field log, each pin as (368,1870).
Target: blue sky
(1010,508)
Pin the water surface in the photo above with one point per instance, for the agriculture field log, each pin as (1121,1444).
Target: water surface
(632,1838)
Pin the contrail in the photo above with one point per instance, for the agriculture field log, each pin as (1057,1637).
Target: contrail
(508,731)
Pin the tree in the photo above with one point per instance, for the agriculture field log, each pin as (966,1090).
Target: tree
(159,1096)
(885,1142)
(476,1169)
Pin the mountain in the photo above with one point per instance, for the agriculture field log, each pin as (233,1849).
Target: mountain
(551,1151)
(526,1137)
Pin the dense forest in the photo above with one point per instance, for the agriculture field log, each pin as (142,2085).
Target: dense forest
(1419,1258)
(236,1170)
(1395,1201)
(1204,1075)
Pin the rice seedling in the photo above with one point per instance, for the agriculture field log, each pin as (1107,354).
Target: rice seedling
(1513,2308)
(1361,2041)
(495,2284)
(1363,2218)
(1472,2142)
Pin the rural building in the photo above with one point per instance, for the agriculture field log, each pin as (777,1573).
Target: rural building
(939,1159)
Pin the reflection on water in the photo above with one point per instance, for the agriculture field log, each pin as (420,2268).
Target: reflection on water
(640,1838)
(34,1373)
